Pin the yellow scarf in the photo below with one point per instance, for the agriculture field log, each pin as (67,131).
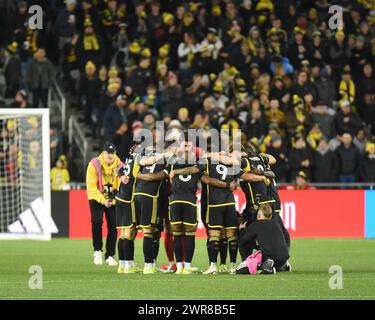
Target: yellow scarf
(90,43)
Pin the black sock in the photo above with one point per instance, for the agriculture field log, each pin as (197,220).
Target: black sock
(129,249)
(155,243)
(148,251)
(177,247)
(190,247)
(121,249)
(213,250)
(208,246)
(223,250)
(233,248)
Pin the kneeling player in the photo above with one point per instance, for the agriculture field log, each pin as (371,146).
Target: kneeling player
(265,234)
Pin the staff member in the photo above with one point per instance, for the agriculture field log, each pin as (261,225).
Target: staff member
(265,234)
(102,184)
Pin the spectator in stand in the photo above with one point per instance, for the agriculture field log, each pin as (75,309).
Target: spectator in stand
(325,87)
(12,70)
(367,167)
(141,77)
(59,176)
(325,161)
(40,77)
(300,182)
(171,98)
(20,101)
(347,120)
(348,158)
(88,90)
(279,151)
(90,46)
(116,126)
(66,23)
(300,157)
(321,116)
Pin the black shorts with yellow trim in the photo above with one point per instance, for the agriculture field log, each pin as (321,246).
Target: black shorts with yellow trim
(183,212)
(146,211)
(222,216)
(125,214)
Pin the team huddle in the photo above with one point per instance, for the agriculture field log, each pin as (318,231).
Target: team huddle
(158,192)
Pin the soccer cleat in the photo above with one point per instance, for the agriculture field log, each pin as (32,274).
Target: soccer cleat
(98,259)
(130,270)
(148,270)
(155,269)
(287,267)
(168,267)
(194,269)
(211,270)
(138,269)
(111,262)
(120,269)
(223,268)
(186,271)
(267,267)
(232,270)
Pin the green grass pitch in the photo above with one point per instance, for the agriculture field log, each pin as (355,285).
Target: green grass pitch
(68,273)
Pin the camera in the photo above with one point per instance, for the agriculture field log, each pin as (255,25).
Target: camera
(109,192)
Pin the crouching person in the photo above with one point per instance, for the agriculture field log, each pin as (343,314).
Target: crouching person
(265,236)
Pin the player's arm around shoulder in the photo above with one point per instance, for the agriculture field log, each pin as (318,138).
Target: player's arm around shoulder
(93,192)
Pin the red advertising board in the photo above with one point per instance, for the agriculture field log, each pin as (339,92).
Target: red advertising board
(306,214)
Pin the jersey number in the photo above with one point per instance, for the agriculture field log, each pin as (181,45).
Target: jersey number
(223,170)
(184,178)
(127,167)
(151,168)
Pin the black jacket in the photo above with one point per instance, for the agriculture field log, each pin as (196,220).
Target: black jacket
(296,156)
(270,239)
(139,79)
(349,159)
(325,167)
(367,169)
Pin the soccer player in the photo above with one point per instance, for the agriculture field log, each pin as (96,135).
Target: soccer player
(254,182)
(147,190)
(265,234)
(221,211)
(183,208)
(125,212)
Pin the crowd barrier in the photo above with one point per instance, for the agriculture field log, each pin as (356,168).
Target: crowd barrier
(306,214)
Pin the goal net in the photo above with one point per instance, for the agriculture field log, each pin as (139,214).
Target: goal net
(25,211)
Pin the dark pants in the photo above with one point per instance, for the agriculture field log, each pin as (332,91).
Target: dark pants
(40,95)
(97,210)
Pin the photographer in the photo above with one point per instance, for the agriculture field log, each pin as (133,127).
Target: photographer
(102,184)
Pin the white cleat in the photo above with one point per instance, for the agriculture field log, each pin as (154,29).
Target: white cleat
(211,270)
(98,259)
(111,262)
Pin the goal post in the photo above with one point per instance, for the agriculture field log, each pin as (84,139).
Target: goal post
(25,193)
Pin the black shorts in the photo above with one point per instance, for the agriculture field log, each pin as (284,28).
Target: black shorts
(224,216)
(183,213)
(146,211)
(125,214)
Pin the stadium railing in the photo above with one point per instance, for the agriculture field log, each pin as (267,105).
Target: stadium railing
(57,99)
(77,138)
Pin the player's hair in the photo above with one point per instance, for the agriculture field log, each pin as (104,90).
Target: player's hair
(266,210)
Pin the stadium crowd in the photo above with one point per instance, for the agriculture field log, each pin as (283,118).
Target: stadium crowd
(297,89)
